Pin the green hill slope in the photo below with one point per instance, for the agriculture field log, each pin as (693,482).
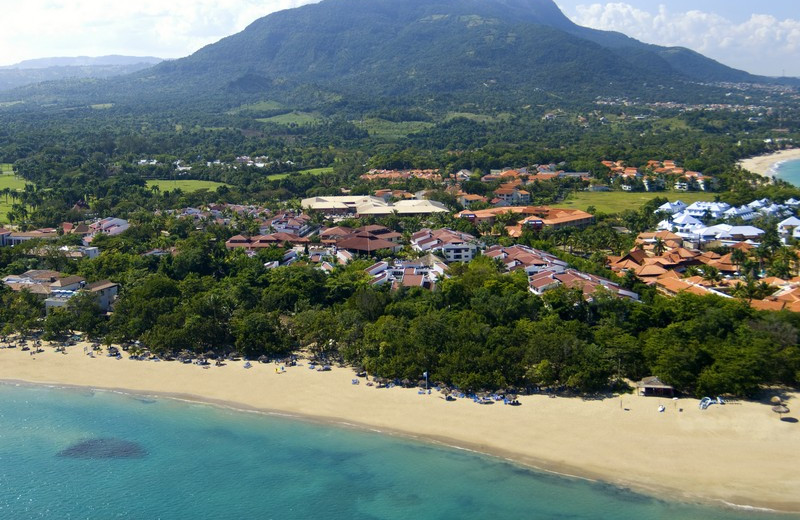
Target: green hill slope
(442,52)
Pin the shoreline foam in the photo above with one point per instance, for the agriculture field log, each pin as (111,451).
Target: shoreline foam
(678,472)
(766,165)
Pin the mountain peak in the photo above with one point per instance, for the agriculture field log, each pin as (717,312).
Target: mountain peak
(485,52)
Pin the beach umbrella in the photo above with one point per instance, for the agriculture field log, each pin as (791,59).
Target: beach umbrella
(263,359)
(776,400)
(780,409)
(406,382)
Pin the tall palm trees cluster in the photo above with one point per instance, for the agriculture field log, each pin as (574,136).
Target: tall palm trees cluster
(23,202)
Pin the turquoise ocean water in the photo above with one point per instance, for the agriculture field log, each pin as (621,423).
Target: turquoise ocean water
(174,460)
(788,171)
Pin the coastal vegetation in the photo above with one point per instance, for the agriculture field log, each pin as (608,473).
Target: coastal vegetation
(480,329)
(268,129)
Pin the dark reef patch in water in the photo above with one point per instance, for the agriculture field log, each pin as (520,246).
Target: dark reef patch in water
(104,449)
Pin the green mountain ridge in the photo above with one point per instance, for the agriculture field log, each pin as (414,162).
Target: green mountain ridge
(490,53)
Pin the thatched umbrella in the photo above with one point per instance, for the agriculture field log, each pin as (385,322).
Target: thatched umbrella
(210,355)
(776,400)
(780,409)
(406,382)
(263,359)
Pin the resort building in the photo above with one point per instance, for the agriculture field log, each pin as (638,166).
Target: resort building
(56,289)
(371,206)
(265,241)
(589,284)
(510,196)
(532,217)
(531,260)
(15,238)
(454,246)
(293,224)
(424,272)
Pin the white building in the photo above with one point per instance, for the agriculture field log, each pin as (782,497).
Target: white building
(363,205)
(725,232)
(743,212)
(702,209)
(454,246)
(671,207)
(788,228)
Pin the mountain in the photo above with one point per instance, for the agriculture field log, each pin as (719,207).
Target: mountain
(487,52)
(55,69)
(84,61)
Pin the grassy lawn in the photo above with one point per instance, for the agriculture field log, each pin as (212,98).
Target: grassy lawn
(312,171)
(297,118)
(8,180)
(618,201)
(261,106)
(187,186)
(5,207)
(391,130)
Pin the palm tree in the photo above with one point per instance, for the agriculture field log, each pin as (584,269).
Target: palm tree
(659,247)
(692,270)
(711,274)
(763,253)
(747,290)
(784,261)
(738,257)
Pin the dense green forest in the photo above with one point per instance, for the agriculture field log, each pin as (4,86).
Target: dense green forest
(480,329)
(91,157)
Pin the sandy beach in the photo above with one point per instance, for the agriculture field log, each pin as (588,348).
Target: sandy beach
(762,164)
(740,453)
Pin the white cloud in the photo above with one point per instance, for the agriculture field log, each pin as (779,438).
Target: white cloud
(164,28)
(762,44)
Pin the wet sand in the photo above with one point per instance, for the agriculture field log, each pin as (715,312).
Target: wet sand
(741,454)
(763,164)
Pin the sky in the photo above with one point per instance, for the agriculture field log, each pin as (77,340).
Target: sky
(762,37)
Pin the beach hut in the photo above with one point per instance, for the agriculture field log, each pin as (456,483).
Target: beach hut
(654,387)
